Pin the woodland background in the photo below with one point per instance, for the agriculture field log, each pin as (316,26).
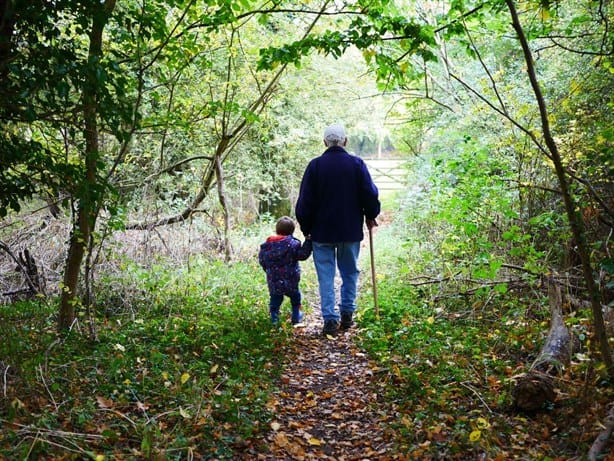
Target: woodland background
(147,148)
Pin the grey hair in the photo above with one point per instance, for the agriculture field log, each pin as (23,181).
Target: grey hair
(334,135)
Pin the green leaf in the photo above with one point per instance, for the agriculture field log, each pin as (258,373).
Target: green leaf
(608,265)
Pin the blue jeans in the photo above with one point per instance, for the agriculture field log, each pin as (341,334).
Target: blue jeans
(327,257)
(275,300)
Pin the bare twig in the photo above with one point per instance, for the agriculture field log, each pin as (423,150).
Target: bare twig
(25,429)
(591,191)
(51,346)
(45,435)
(520,268)
(19,222)
(73,446)
(6,370)
(472,389)
(219,173)
(39,369)
(121,415)
(432,280)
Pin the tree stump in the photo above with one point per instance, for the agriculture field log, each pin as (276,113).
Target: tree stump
(535,388)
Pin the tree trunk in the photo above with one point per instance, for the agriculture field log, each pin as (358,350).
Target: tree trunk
(219,173)
(575,219)
(90,196)
(536,387)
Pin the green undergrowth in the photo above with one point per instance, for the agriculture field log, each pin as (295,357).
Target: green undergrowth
(186,369)
(448,362)
(180,363)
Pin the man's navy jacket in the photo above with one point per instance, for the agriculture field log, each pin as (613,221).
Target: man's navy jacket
(336,194)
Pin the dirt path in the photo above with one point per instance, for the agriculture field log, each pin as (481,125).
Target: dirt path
(327,405)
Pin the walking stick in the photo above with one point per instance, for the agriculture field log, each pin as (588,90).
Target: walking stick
(373,274)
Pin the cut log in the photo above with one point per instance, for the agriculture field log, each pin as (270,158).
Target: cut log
(535,388)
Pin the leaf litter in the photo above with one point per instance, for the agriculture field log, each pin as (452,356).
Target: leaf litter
(327,406)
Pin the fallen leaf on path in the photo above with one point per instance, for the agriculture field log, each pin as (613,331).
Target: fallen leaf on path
(281,439)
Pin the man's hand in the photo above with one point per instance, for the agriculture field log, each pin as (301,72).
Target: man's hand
(371,223)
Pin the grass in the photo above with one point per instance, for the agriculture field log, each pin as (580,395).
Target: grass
(189,371)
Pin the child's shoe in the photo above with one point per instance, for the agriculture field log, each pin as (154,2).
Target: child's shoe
(297,316)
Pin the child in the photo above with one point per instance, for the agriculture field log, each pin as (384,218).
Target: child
(279,257)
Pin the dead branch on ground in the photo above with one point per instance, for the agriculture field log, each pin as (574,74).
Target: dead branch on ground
(536,387)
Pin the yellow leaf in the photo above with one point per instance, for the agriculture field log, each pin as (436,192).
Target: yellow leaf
(165,375)
(430,320)
(475,436)
(314,441)
(368,53)
(99,457)
(214,369)
(482,423)
(185,377)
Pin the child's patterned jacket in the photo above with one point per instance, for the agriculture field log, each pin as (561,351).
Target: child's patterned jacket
(279,257)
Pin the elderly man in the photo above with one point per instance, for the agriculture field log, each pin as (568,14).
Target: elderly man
(336,196)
